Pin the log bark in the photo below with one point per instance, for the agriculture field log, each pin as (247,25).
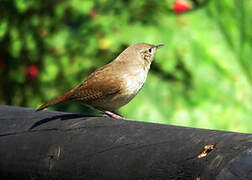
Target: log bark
(57,145)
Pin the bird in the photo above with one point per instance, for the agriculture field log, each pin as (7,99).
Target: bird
(115,84)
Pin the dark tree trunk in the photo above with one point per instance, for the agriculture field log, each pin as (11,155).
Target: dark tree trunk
(56,145)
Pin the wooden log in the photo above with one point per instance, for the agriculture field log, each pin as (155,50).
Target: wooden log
(57,145)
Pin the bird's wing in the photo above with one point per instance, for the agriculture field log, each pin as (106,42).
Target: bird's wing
(96,86)
(87,93)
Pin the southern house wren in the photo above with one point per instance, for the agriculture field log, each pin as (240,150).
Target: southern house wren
(115,84)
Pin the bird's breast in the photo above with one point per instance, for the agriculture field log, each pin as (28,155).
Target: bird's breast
(134,81)
(131,83)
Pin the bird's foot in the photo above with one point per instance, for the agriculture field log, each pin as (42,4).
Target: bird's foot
(113,115)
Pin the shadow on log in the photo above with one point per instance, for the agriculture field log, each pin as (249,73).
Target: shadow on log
(56,145)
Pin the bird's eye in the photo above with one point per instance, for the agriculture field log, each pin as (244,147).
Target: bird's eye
(150,50)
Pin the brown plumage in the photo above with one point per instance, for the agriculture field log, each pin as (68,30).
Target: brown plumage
(114,84)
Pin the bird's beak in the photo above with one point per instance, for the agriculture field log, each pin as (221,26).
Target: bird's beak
(159,46)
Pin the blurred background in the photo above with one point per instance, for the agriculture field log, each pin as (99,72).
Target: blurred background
(202,77)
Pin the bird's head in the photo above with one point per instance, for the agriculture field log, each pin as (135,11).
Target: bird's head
(140,53)
(147,51)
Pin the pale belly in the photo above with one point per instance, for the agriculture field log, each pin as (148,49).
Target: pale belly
(132,85)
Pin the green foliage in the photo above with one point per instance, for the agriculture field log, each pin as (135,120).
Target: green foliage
(201,78)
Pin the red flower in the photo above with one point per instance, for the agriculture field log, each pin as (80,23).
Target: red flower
(181,6)
(32,72)
(93,13)
(2,64)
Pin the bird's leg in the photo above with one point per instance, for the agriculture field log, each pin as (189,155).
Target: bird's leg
(114,115)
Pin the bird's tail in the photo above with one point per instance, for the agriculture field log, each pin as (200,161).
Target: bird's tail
(54,101)
(60,99)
